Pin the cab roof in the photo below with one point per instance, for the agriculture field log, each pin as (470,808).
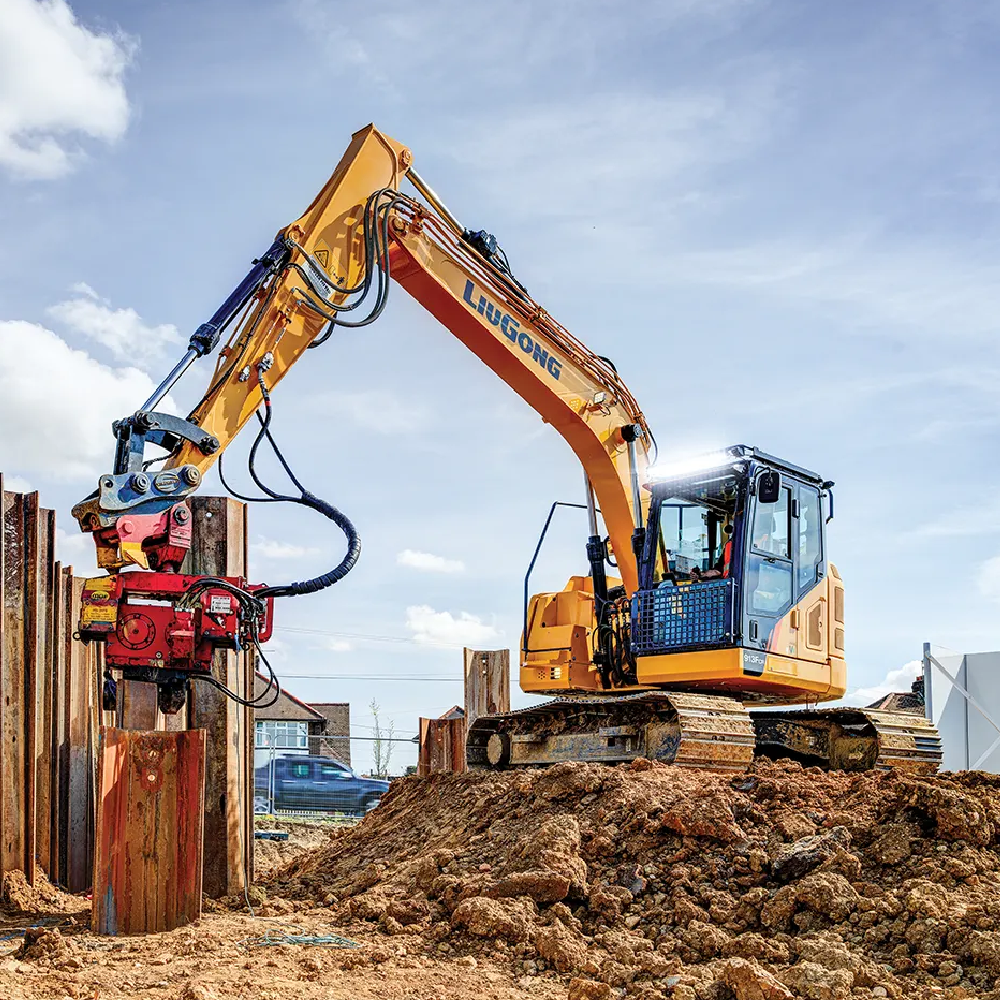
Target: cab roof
(717,461)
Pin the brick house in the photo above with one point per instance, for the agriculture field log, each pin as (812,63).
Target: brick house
(291,726)
(337,730)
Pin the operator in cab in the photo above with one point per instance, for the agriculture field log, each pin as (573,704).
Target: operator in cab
(723,564)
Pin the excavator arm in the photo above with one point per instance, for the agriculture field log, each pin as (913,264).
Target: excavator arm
(358,232)
(332,267)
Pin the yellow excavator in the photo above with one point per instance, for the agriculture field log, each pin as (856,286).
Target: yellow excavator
(721,594)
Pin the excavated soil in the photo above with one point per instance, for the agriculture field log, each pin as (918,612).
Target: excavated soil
(269,855)
(652,881)
(47,952)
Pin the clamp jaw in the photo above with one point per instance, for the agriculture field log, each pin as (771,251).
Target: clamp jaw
(141,518)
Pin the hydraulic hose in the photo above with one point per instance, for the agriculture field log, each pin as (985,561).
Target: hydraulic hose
(339,571)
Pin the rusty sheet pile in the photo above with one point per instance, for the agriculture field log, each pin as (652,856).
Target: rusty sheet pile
(48,712)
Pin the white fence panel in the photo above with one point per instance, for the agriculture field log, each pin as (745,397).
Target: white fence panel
(962,695)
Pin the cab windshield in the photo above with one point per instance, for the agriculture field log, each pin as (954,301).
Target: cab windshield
(694,531)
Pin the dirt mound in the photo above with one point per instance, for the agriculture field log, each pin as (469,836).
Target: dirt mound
(657,881)
(269,855)
(19,898)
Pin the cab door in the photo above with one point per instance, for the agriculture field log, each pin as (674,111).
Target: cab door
(811,612)
(769,573)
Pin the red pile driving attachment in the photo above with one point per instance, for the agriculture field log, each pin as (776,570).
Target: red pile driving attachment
(148,627)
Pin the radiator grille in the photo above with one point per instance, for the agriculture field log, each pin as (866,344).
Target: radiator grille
(669,617)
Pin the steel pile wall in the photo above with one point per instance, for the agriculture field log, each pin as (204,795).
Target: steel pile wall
(48,705)
(442,746)
(487,692)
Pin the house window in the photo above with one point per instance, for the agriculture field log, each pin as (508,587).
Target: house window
(283,735)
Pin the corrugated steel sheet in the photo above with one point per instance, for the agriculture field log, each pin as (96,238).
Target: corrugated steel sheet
(48,704)
(150,814)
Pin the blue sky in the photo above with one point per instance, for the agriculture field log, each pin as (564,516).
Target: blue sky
(779,219)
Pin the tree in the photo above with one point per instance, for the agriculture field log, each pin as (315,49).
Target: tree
(381,742)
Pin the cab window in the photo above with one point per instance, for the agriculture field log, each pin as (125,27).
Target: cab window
(333,771)
(690,525)
(770,526)
(684,534)
(691,538)
(769,583)
(809,538)
(298,770)
(769,567)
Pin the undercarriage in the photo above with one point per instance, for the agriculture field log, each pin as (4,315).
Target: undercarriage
(695,730)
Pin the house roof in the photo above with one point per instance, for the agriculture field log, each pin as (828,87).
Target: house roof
(911,701)
(899,701)
(262,682)
(455,712)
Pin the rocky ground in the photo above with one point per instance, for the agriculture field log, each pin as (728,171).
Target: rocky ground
(651,881)
(303,835)
(581,882)
(216,960)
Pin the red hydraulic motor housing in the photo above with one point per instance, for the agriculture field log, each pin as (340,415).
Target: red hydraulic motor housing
(165,627)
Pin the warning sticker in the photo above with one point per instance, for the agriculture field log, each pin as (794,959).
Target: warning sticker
(221,604)
(100,614)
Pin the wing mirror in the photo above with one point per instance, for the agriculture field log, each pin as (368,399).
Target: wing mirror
(769,487)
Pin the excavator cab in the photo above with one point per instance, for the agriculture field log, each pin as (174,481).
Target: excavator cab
(735,593)
(735,589)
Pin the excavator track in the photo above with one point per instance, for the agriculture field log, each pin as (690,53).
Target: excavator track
(695,730)
(691,730)
(850,739)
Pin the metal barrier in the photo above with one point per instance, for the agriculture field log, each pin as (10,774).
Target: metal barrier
(668,618)
(49,704)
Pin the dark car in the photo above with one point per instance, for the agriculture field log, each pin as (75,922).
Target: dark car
(314,784)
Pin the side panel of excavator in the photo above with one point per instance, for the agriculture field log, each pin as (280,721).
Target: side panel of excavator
(557,651)
(797,667)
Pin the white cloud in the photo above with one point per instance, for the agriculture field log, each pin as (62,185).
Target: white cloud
(58,81)
(17,484)
(332,645)
(922,287)
(121,331)
(57,404)
(958,522)
(76,548)
(444,40)
(432,627)
(375,411)
(575,163)
(268,548)
(899,679)
(429,563)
